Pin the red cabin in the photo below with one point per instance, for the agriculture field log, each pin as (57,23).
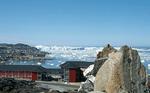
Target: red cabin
(72,70)
(27,72)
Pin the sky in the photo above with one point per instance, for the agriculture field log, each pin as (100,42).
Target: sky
(75,22)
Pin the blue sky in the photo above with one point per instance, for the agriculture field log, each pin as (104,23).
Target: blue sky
(75,22)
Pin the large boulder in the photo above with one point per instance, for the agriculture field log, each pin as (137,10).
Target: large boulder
(122,72)
(91,71)
(102,56)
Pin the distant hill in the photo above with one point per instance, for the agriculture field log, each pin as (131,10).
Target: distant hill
(20,52)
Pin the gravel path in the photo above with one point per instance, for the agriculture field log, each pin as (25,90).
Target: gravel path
(57,86)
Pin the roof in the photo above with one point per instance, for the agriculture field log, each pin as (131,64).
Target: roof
(54,71)
(76,64)
(33,68)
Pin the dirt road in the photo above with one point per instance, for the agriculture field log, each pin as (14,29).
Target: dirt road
(57,86)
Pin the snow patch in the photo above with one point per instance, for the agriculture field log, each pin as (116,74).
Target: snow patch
(88,70)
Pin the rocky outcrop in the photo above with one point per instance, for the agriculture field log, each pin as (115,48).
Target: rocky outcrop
(92,70)
(102,56)
(8,85)
(105,52)
(122,72)
(117,71)
(20,52)
(88,85)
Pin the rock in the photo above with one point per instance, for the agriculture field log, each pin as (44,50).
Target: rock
(88,85)
(122,72)
(92,70)
(97,92)
(53,91)
(88,70)
(148,83)
(102,56)
(105,52)
(8,85)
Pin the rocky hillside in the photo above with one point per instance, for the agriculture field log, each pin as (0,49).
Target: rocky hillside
(116,71)
(8,85)
(19,52)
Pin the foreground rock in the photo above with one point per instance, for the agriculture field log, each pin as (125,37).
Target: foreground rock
(91,71)
(9,85)
(19,86)
(87,86)
(121,73)
(116,72)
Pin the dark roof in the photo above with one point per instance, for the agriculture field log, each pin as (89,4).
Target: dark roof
(76,64)
(54,71)
(33,68)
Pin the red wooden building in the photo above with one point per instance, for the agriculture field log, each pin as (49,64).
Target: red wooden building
(72,70)
(28,72)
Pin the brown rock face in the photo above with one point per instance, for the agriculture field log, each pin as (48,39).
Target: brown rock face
(105,52)
(122,72)
(101,58)
(148,83)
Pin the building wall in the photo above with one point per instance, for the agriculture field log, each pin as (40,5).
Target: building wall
(34,76)
(19,75)
(66,75)
(72,75)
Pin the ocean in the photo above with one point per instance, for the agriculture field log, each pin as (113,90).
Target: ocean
(61,54)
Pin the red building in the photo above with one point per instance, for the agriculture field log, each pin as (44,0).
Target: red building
(72,70)
(28,72)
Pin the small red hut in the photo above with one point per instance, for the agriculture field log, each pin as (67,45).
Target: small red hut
(72,70)
(28,72)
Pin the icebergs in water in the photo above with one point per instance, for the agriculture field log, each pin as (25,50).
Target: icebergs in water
(67,53)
